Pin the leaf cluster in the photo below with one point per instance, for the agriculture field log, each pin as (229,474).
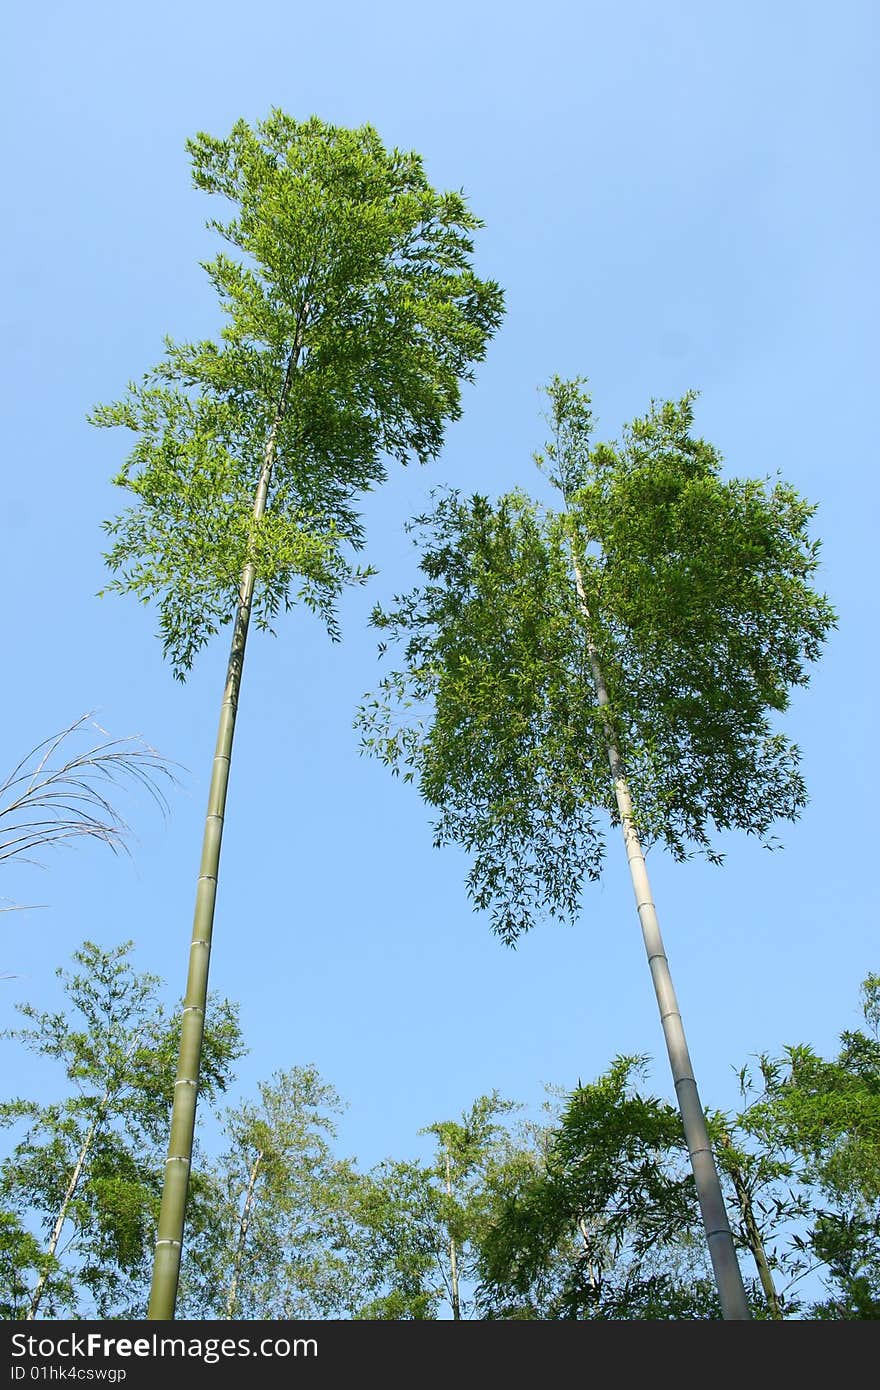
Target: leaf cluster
(267,1229)
(352,314)
(662,617)
(598,1224)
(89,1167)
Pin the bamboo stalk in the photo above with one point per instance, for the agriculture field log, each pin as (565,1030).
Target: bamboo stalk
(242,1234)
(453,1257)
(61,1217)
(728,1276)
(169,1240)
(753,1233)
(70,1191)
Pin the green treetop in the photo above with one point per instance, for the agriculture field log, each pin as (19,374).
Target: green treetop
(352,316)
(688,593)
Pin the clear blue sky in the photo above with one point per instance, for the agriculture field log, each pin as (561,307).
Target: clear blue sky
(675,196)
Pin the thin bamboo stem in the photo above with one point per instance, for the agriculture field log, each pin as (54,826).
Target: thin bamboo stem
(242,1235)
(753,1233)
(169,1240)
(728,1276)
(73,1184)
(453,1255)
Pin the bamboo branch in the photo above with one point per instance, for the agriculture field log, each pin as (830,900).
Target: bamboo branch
(47,800)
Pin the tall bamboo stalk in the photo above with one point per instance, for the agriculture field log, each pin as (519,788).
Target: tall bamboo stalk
(728,1277)
(753,1232)
(169,1240)
(588,1254)
(242,1235)
(70,1191)
(73,1184)
(453,1255)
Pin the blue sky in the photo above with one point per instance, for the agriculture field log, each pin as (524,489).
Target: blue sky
(677,196)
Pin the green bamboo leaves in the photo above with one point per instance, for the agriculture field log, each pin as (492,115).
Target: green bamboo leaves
(505,749)
(697,609)
(352,317)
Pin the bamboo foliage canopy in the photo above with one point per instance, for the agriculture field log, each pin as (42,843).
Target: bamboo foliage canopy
(353,315)
(696,605)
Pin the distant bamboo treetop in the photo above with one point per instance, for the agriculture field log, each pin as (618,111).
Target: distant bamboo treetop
(690,594)
(353,315)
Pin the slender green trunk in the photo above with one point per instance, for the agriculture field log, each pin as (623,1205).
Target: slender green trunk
(169,1240)
(588,1256)
(61,1216)
(753,1234)
(72,1185)
(728,1277)
(242,1236)
(453,1254)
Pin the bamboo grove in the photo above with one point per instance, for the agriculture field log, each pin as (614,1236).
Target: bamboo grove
(619,662)
(583,1208)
